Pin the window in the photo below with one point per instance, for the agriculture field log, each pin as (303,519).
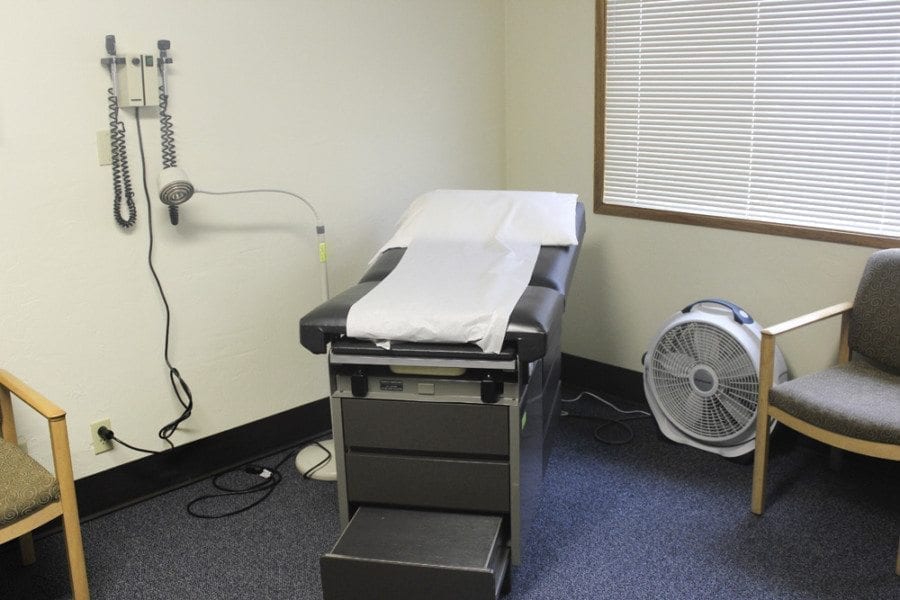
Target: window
(774,116)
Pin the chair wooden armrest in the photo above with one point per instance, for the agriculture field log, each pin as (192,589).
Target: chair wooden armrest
(767,349)
(808,319)
(29,396)
(56,419)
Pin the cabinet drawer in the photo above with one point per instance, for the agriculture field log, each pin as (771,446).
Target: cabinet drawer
(414,481)
(438,427)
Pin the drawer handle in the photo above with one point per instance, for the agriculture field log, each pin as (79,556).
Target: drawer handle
(359,384)
(490,389)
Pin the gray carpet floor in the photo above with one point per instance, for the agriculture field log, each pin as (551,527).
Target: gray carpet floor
(648,519)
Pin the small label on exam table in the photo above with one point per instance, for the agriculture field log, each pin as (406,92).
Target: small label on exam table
(390,385)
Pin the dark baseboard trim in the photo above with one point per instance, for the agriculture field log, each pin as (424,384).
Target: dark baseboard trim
(582,373)
(156,474)
(602,378)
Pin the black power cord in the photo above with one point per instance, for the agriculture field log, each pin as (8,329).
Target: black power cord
(271,477)
(186,401)
(315,468)
(107,434)
(179,385)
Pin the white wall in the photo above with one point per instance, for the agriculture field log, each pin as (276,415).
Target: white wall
(359,106)
(632,274)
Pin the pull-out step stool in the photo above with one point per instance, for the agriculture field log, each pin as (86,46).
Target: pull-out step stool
(395,554)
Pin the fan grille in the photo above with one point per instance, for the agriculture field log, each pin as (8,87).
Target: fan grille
(704,381)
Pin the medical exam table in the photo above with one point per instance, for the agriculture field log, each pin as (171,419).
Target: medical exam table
(440,448)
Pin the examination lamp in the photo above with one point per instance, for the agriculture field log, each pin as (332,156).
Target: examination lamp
(175,189)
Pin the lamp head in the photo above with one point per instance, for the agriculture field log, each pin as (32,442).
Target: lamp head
(174,186)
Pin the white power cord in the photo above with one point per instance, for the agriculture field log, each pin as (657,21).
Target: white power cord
(637,414)
(608,403)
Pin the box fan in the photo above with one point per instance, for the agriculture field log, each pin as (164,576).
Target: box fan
(701,377)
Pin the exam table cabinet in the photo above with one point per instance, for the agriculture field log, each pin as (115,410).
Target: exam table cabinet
(440,448)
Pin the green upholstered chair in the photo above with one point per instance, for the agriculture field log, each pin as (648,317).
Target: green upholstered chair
(854,405)
(31,496)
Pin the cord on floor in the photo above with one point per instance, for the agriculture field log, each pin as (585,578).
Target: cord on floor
(606,422)
(270,478)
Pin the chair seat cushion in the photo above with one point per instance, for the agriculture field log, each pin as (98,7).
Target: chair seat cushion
(25,486)
(856,399)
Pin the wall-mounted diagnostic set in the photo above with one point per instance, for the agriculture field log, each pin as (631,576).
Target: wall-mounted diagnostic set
(139,81)
(136,84)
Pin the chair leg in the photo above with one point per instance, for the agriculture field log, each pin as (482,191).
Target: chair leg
(760,460)
(26,545)
(62,460)
(75,552)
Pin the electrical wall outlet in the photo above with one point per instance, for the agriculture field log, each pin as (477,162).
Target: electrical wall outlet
(99,444)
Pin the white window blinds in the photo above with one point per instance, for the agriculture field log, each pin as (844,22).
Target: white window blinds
(782,111)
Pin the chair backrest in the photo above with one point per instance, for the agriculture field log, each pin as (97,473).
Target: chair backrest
(875,319)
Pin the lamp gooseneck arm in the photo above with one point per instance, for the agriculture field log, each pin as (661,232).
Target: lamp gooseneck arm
(320,227)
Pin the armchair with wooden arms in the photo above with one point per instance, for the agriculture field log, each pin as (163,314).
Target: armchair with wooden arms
(31,496)
(854,405)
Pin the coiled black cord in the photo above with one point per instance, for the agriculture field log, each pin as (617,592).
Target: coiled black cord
(271,477)
(167,132)
(121,176)
(167,142)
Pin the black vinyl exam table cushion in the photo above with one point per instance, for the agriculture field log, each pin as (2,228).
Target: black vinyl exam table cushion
(538,310)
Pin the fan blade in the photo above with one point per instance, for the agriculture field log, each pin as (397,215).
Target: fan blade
(694,411)
(707,341)
(736,408)
(677,364)
(681,339)
(732,367)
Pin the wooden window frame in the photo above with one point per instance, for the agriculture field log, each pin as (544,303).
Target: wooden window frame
(754,226)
